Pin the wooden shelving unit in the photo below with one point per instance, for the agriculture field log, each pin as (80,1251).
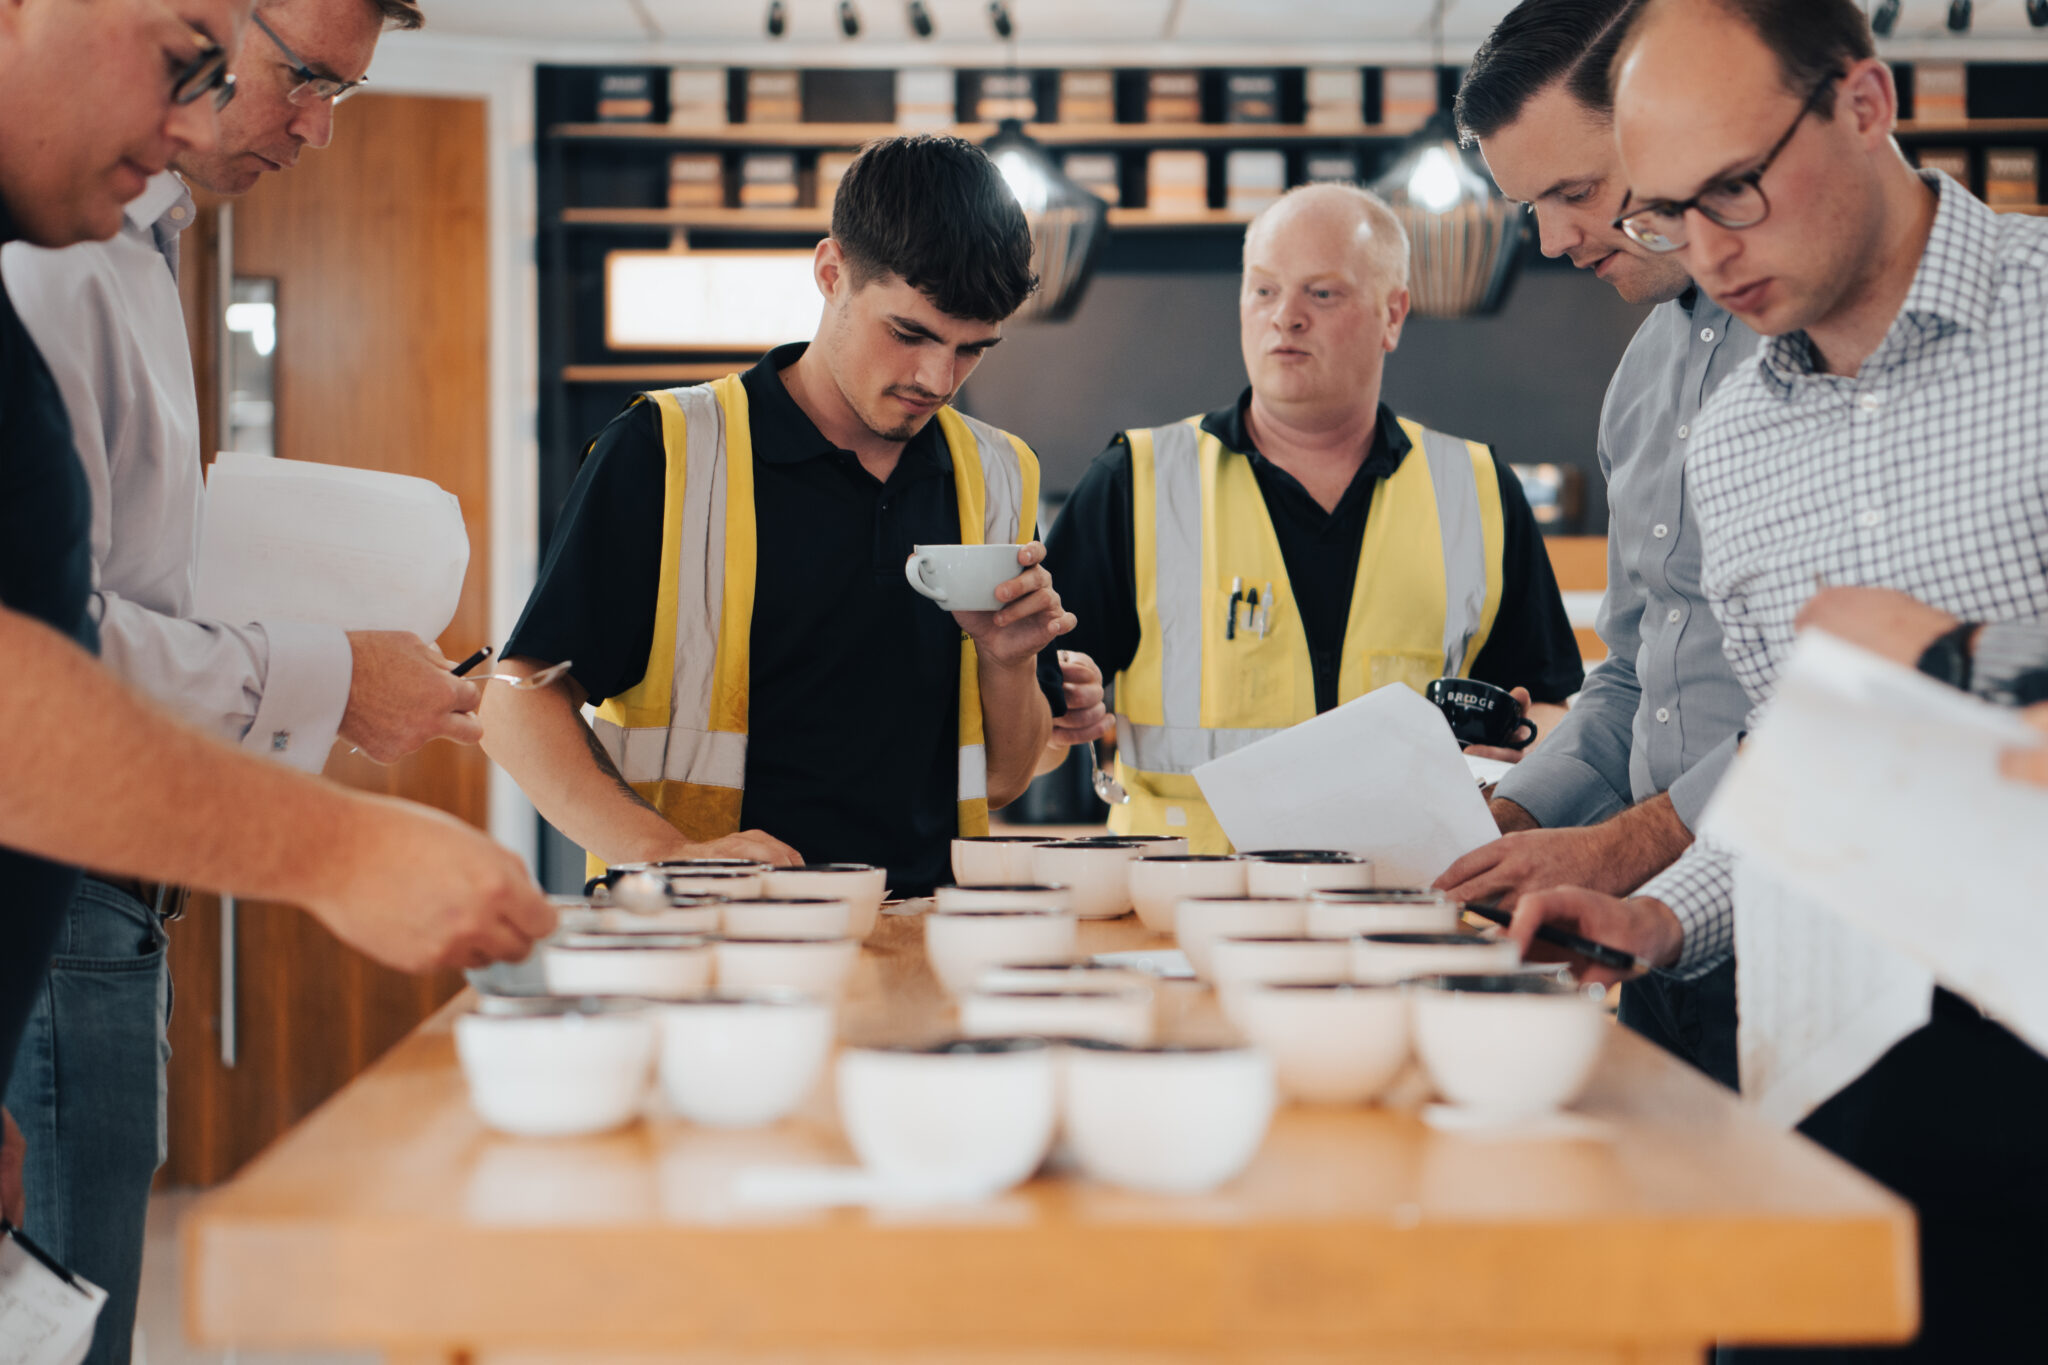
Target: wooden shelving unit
(1975,127)
(1050,134)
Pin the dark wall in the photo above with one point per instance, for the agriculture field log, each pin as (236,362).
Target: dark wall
(1149,347)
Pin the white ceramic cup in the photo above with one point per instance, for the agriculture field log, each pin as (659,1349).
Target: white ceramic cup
(1511,1045)
(961,944)
(1023,895)
(962,577)
(1160,882)
(556,1067)
(1377,959)
(1156,845)
(789,917)
(811,966)
(733,883)
(657,966)
(1297,872)
(1167,1120)
(966,1119)
(1098,874)
(1330,1043)
(736,1059)
(1199,921)
(993,859)
(1112,1015)
(682,915)
(1061,974)
(1344,912)
(1237,963)
(860,885)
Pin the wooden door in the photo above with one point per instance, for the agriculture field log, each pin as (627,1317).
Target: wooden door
(378,245)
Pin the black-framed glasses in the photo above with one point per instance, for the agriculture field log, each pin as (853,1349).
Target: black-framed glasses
(311,87)
(1734,203)
(206,72)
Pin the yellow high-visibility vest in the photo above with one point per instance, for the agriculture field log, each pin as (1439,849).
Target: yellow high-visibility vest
(1428,588)
(679,735)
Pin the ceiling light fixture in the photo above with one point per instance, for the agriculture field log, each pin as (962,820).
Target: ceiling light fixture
(1884,18)
(999,19)
(919,17)
(849,19)
(1959,16)
(1068,224)
(778,18)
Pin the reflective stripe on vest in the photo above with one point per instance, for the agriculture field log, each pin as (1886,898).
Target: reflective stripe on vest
(1427,591)
(679,735)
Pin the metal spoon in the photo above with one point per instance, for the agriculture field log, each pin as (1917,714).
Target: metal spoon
(533,682)
(1108,790)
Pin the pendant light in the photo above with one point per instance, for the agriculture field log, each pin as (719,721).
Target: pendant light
(1068,224)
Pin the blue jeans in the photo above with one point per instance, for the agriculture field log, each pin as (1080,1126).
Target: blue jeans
(88,1092)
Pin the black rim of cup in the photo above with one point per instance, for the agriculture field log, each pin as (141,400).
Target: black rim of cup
(1304,855)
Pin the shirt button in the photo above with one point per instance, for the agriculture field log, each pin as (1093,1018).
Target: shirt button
(1674,616)
(1663,716)
(1870,518)
(1706,334)
(1660,530)
(178,214)
(1870,402)
(1683,432)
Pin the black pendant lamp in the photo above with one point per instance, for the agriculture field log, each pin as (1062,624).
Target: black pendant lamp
(1068,224)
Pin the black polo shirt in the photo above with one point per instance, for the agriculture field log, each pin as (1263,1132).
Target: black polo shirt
(45,573)
(853,708)
(1089,552)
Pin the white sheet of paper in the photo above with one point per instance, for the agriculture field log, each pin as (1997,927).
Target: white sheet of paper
(1381,775)
(43,1321)
(1874,792)
(290,540)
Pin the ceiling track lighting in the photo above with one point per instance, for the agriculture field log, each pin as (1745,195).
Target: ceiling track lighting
(849,19)
(1959,16)
(920,18)
(1885,18)
(778,18)
(999,19)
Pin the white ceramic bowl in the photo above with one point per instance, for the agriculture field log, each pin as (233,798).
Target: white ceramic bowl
(683,915)
(1344,912)
(966,1119)
(812,917)
(733,883)
(860,885)
(633,887)
(737,1059)
(962,944)
(811,966)
(1297,872)
(557,1067)
(1114,1016)
(993,859)
(1239,962)
(1167,1121)
(1155,845)
(1509,1045)
(1161,882)
(1061,974)
(1377,959)
(1200,920)
(1330,1043)
(1024,895)
(657,966)
(1098,874)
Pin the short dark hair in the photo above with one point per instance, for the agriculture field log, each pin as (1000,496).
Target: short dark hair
(1812,40)
(936,212)
(1538,44)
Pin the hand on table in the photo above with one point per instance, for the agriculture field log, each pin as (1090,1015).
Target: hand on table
(13,1152)
(1030,618)
(1087,718)
(1521,696)
(1879,619)
(759,845)
(1614,857)
(401,694)
(1639,925)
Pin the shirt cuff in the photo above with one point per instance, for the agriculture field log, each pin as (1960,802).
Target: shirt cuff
(2004,653)
(1559,791)
(305,694)
(1700,889)
(1695,786)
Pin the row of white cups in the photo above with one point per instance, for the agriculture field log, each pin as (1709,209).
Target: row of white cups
(721,979)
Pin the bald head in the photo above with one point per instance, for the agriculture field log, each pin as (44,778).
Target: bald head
(1326,220)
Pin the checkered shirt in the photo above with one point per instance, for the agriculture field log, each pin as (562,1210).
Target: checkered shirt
(1926,472)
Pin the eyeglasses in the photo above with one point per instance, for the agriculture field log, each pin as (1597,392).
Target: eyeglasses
(206,72)
(312,87)
(1735,203)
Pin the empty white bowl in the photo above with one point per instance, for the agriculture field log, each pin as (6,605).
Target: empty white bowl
(1238,962)
(965,1119)
(961,944)
(1159,882)
(1112,1015)
(1298,871)
(1061,974)
(658,966)
(993,859)
(736,1059)
(812,966)
(545,1067)
(1201,920)
(1165,1120)
(1330,1043)
(733,883)
(1509,1045)
(860,885)
(1161,845)
(1024,895)
(788,917)
(1377,959)
(1345,912)
(1098,874)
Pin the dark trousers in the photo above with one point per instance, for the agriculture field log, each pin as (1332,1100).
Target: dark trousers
(1955,1119)
(1694,1021)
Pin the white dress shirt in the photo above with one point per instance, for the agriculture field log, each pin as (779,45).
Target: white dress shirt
(108,320)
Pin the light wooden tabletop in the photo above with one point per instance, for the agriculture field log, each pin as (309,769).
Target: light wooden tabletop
(393,1219)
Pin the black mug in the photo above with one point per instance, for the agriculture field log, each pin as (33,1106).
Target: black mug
(1481,713)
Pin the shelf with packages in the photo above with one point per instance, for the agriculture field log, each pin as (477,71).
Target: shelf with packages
(1050,134)
(819,220)
(1986,127)
(650,373)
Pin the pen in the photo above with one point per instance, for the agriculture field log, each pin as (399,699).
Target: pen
(1236,596)
(471,662)
(1598,953)
(49,1262)
(1265,611)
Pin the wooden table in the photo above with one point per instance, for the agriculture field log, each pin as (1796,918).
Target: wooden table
(392,1219)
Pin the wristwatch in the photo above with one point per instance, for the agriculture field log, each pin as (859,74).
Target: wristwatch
(1948,658)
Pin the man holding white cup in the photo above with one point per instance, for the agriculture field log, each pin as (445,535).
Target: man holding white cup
(729,571)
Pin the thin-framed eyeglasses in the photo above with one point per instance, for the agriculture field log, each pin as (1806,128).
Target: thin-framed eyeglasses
(312,87)
(1734,202)
(206,72)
